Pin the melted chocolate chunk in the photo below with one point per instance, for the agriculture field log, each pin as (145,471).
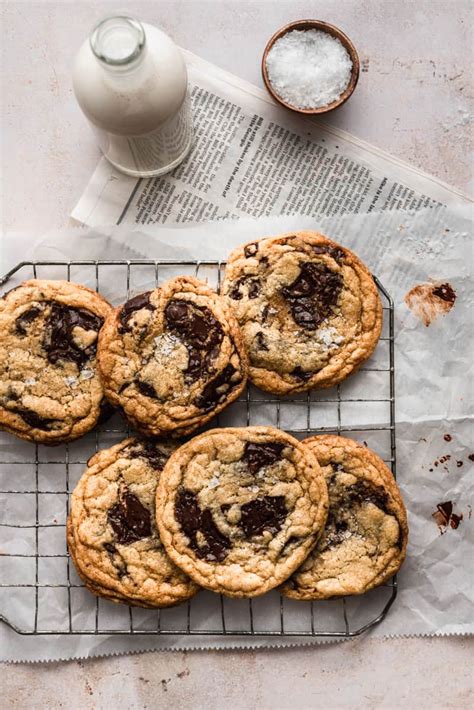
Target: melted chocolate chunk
(146,389)
(129,518)
(193,520)
(150,451)
(156,458)
(335,531)
(444,516)
(342,503)
(268,513)
(24,320)
(200,332)
(301,374)
(193,369)
(336,253)
(35,421)
(111,549)
(58,340)
(256,456)
(188,512)
(217,543)
(363,492)
(253,288)
(445,292)
(313,294)
(134,304)
(251,249)
(195,323)
(210,396)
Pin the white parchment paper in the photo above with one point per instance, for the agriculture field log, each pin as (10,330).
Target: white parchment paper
(434,431)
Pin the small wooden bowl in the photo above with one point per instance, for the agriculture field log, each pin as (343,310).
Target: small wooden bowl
(335,32)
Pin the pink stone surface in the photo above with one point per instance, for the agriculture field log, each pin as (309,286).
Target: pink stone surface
(414,100)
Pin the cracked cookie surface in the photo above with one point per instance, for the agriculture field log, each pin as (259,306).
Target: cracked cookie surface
(111,530)
(172,358)
(50,390)
(240,509)
(365,538)
(308,308)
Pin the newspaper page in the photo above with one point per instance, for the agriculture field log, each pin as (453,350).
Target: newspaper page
(251,158)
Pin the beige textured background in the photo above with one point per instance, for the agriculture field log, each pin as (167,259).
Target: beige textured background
(414,99)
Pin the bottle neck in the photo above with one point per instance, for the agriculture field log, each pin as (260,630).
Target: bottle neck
(119,43)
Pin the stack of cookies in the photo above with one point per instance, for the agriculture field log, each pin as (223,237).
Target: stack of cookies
(237,511)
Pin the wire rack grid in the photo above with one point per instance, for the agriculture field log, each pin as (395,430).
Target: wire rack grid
(40,592)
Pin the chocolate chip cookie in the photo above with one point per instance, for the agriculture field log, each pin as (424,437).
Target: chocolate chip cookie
(172,358)
(364,542)
(309,310)
(240,509)
(112,535)
(50,391)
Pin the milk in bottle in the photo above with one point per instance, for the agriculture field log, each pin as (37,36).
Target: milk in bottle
(131,83)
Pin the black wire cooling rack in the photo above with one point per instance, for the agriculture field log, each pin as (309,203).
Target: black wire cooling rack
(40,592)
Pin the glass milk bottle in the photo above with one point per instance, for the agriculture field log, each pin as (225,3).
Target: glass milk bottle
(131,83)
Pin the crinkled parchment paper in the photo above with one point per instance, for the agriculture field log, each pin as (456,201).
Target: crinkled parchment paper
(433,412)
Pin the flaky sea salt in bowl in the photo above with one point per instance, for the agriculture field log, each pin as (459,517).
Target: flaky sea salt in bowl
(310,66)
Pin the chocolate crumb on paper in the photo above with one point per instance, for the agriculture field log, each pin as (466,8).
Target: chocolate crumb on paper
(445,518)
(430,300)
(442,461)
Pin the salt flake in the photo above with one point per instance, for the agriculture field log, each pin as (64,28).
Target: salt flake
(309,68)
